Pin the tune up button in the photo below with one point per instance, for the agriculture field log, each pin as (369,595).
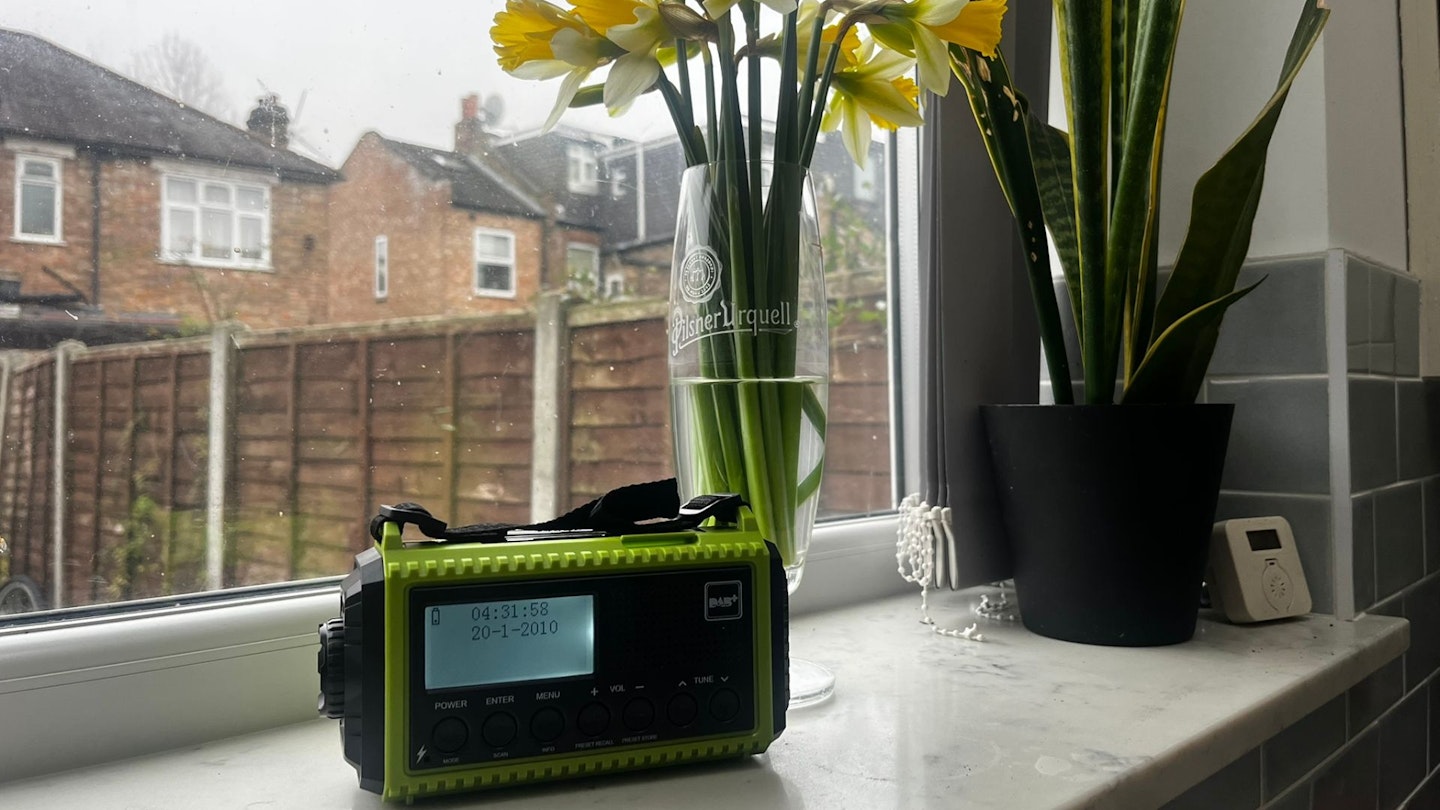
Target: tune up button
(593,719)
(682,709)
(547,724)
(638,714)
(724,705)
(449,735)
(498,730)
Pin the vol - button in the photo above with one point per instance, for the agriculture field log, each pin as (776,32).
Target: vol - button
(638,714)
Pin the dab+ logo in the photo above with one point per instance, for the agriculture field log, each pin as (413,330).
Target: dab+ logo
(723,601)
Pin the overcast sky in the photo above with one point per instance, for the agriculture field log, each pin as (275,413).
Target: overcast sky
(396,67)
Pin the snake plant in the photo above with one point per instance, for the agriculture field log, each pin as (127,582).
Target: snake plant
(1096,189)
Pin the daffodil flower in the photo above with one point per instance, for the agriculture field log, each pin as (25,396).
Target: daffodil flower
(717,8)
(923,27)
(640,28)
(870,86)
(537,40)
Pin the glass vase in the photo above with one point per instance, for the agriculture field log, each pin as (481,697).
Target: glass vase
(749,355)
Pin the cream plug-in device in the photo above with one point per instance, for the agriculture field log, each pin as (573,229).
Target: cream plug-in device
(1255,572)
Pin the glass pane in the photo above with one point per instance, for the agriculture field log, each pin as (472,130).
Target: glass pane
(39,168)
(250,199)
(180,191)
(215,241)
(493,246)
(182,233)
(328,422)
(37,209)
(494,277)
(251,236)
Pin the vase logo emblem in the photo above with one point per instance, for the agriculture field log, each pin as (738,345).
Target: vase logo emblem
(699,275)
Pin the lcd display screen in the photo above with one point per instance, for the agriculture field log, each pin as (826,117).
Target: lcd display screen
(1263,540)
(482,643)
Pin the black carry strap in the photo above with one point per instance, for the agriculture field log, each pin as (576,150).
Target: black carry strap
(648,508)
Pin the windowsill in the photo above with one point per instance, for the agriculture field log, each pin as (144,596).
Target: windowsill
(1018,721)
(38,240)
(212,265)
(507,294)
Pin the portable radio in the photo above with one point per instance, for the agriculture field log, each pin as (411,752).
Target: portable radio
(508,655)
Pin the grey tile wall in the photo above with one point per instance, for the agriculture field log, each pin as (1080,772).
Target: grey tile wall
(1407,327)
(1294,752)
(1399,538)
(1296,799)
(1431,487)
(1373,696)
(1362,522)
(1279,328)
(1382,319)
(1353,780)
(1236,785)
(1357,317)
(1402,756)
(1280,438)
(1418,455)
(1372,433)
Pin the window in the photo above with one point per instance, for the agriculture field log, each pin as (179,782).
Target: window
(37,192)
(217,223)
(615,286)
(582,267)
(494,263)
(382,267)
(583,170)
(864,179)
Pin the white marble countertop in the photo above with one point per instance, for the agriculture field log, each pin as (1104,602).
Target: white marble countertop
(918,720)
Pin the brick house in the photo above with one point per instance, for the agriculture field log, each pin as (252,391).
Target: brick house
(129,214)
(479,228)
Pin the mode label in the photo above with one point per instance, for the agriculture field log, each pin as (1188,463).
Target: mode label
(723,601)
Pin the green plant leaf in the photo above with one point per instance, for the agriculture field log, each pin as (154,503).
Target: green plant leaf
(1050,151)
(1222,214)
(1172,365)
(1085,37)
(1003,115)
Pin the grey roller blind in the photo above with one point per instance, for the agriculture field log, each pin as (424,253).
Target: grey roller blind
(980,344)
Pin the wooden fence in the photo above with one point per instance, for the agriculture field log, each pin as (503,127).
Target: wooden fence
(315,427)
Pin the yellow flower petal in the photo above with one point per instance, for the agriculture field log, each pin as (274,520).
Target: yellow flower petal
(603,14)
(976,27)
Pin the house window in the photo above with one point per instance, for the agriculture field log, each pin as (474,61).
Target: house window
(494,263)
(37,192)
(382,267)
(614,286)
(583,175)
(582,267)
(216,223)
(863,180)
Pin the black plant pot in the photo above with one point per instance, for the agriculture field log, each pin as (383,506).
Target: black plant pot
(1108,510)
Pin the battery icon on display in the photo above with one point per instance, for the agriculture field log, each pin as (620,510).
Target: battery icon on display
(434,616)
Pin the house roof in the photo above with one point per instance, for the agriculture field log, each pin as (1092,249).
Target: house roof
(472,184)
(47,92)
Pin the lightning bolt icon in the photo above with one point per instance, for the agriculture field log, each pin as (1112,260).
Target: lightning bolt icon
(420,755)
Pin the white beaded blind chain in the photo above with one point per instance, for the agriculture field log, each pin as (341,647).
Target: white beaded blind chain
(921,527)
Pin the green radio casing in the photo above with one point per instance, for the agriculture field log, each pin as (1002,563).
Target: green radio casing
(467,666)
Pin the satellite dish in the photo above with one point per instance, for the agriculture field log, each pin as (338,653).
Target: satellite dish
(494,108)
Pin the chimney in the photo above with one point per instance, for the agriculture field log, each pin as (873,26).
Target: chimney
(469,134)
(270,122)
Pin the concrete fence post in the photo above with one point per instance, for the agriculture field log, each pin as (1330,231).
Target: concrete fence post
(5,363)
(222,385)
(59,501)
(549,470)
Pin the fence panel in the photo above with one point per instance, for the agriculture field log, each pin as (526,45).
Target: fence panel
(25,474)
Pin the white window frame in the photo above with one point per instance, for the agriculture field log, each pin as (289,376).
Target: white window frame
(58,183)
(582,170)
(382,268)
(594,251)
(495,259)
(201,179)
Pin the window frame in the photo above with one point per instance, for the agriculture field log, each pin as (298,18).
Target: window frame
(491,292)
(587,179)
(201,178)
(382,267)
(594,251)
(57,182)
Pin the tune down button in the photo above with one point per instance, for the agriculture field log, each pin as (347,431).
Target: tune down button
(547,724)
(724,705)
(498,729)
(449,735)
(638,714)
(593,719)
(682,709)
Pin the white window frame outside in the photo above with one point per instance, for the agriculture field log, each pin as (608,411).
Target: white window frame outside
(382,268)
(493,259)
(583,247)
(582,170)
(57,182)
(234,185)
